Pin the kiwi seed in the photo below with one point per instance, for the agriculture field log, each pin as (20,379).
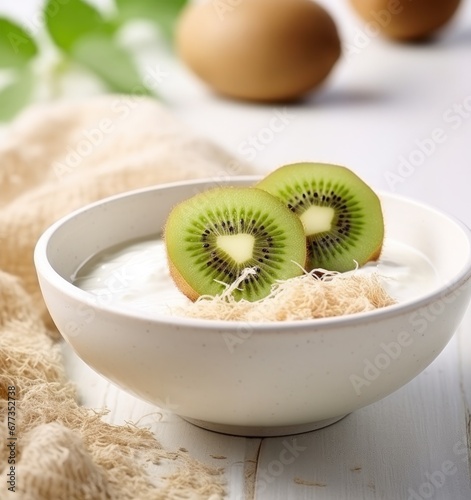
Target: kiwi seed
(215,235)
(341,214)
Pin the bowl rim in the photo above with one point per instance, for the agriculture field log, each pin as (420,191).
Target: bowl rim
(45,269)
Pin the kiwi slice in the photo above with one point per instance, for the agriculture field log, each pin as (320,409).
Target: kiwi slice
(215,235)
(342,215)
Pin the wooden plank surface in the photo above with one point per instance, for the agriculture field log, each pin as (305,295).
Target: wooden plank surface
(411,445)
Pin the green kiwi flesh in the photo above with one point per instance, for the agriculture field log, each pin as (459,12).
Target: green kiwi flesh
(341,214)
(213,236)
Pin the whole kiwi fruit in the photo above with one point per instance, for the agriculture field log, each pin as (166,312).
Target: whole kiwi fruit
(261,50)
(407,20)
(214,236)
(341,214)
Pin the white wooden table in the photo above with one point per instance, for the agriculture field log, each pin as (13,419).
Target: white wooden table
(400,116)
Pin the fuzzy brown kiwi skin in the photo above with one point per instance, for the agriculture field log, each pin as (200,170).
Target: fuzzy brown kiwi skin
(377,254)
(180,281)
(414,21)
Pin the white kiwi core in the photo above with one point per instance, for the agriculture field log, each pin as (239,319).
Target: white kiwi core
(317,219)
(238,246)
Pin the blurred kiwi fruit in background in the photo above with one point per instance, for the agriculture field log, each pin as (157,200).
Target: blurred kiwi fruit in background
(259,50)
(407,20)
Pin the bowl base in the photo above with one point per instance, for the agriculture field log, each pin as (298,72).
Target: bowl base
(256,431)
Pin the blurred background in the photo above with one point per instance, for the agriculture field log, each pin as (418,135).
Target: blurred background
(397,112)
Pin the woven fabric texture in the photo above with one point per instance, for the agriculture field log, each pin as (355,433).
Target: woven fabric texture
(53,159)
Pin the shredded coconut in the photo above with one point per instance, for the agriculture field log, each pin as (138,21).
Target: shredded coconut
(317,294)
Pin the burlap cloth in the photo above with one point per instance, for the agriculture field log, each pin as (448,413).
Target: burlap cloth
(53,159)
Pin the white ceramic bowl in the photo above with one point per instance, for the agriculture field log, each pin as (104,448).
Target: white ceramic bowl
(270,379)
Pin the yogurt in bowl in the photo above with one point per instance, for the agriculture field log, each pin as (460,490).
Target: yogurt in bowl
(103,275)
(135,275)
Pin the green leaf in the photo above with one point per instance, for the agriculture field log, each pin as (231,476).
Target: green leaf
(163,12)
(68,22)
(14,96)
(16,46)
(81,31)
(112,63)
